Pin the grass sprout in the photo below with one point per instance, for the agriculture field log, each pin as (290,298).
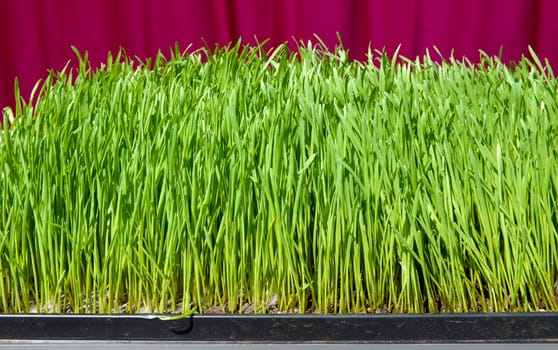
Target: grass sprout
(292,181)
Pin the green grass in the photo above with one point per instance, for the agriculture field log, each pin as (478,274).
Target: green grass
(240,175)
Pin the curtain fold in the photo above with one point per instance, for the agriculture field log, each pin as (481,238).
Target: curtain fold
(36,35)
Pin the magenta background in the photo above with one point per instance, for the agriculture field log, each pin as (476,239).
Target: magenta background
(37,34)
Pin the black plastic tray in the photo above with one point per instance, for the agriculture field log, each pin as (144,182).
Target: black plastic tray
(432,328)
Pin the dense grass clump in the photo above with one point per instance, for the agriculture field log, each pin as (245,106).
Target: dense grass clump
(287,181)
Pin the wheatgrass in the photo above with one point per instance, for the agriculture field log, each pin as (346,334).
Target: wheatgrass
(291,181)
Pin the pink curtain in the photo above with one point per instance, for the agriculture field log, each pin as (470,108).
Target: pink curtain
(36,35)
